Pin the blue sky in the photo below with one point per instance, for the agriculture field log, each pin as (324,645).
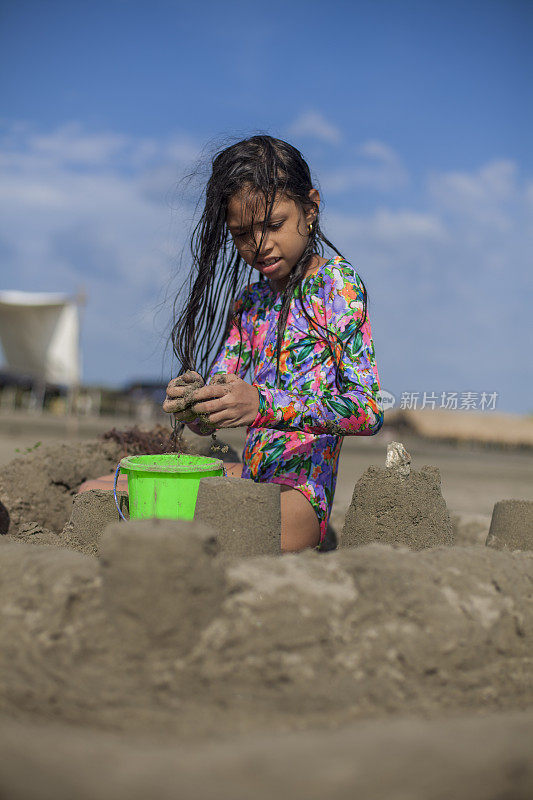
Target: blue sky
(416,121)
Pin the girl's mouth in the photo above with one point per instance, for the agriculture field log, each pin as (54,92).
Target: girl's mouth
(268,266)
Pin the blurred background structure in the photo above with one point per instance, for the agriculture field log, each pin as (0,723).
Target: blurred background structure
(416,120)
(39,333)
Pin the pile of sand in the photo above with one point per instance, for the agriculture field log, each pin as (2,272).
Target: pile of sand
(161,625)
(38,487)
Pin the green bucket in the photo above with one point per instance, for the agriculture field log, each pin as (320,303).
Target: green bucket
(165,485)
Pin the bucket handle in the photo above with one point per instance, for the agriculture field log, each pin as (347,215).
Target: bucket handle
(115,494)
(117,471)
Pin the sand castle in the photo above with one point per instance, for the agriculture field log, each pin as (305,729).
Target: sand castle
(511,527)
(254,527)
(187,633)
(397,505)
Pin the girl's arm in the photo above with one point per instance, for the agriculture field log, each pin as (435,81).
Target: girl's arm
(353,411)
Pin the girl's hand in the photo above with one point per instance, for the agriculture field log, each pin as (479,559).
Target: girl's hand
(227,402)
(179,397)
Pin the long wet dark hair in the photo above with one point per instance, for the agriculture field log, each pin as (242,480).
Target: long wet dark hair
(264,167)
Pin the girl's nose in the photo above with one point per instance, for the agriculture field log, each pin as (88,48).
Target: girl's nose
(266,247)
(264,243)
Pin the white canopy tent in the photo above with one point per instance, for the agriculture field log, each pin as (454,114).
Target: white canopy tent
(40,336)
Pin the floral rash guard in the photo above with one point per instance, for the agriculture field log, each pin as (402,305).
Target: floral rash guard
(297,435)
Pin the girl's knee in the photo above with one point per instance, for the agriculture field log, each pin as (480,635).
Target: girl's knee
(233,469)
(105,483)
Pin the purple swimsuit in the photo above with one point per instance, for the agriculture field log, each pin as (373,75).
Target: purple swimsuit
(297,435)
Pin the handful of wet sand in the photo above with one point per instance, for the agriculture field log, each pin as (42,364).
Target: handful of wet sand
(182,406)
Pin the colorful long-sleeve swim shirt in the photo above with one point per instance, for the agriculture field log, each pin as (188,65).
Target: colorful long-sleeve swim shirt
(297,435)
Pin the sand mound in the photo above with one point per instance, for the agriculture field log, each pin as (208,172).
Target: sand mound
(511,527)
(164,632)
(162,584)
(91,513)
(245,515)
(39,487)
(394,508)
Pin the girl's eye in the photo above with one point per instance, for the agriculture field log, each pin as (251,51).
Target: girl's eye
(275,226)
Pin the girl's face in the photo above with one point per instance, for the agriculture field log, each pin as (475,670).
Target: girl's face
(285,237)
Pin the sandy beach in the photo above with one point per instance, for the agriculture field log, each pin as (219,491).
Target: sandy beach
(170,658)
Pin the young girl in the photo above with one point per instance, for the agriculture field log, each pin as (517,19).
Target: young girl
(301,329)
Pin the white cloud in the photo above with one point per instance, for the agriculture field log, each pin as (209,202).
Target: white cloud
(385,226)
(485,195)
(377,167)
(70,144)
(378,150)
(31,195)
(314,125)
